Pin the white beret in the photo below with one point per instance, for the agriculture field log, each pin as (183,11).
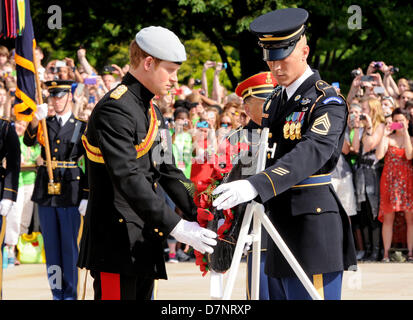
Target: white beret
(161,43)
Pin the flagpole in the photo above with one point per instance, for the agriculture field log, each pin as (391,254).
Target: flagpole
(43,121)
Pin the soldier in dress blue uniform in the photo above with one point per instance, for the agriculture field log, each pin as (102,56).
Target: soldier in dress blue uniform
(129,153)
(307,119)
(9,177)
(61,204)
(254,91)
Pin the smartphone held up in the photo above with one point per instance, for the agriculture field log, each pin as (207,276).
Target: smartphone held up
(396,126)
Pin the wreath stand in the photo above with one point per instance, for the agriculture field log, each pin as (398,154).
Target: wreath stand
(255,213)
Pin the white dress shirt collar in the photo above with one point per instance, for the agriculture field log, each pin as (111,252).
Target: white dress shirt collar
(297,83)
(64,117)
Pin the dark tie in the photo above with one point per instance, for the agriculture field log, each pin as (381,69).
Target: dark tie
(60,121)
(284,98)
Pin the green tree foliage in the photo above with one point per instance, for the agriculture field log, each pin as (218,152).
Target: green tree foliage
(106,28)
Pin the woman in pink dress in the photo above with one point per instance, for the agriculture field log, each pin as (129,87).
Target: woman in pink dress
(396,184)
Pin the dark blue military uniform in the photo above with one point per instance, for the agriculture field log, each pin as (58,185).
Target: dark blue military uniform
(296,182)
(9,176)
(295,187)
(58,213)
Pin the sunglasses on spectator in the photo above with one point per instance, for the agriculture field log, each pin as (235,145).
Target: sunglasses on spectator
(225,124)
(202,124)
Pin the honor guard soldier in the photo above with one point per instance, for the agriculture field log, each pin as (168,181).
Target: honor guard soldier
(9,178)
(60,206)
(307,119)
(254,91)
(129,153)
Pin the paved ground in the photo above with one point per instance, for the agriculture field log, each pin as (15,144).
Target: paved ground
(373,281)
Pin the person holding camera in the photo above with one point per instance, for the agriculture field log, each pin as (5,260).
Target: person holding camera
(108,78)
(387,103)
(396,184)
(204,82)
(64,71)
(356,90)
(218,90)
(374,66)
(367,175)
(388,81)
(351,148)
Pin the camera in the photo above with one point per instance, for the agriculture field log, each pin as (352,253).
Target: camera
(367,78)
(378,65)
(197,82)
(394,69)
(169,121)
(362,117)
(396,126)
(60,64)
(108,69)
(378,90)
(91,81)
(355,73)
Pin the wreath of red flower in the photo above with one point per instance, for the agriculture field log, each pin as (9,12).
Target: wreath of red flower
(203,200)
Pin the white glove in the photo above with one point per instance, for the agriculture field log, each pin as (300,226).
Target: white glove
(194,235)
(233,193)
(5,206)
(41,111)
(83,207)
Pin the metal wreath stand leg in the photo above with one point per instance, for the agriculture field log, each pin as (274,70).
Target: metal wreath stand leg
(256,211)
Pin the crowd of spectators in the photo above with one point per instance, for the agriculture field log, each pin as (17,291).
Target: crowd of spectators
(373,178)
(375,174)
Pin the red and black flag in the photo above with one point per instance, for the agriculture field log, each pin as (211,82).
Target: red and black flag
(16,22)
